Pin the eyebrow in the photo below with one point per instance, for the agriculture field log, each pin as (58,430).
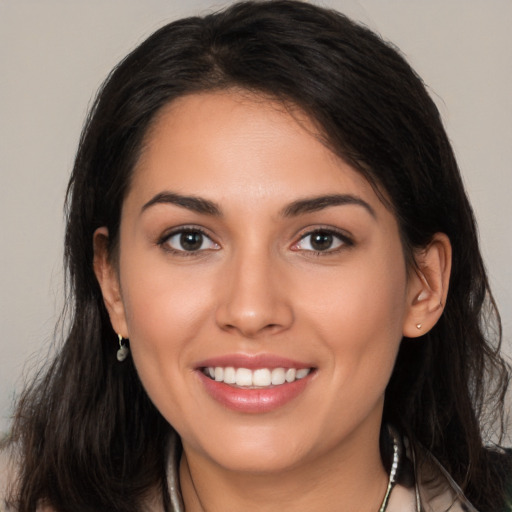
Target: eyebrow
(195,204)
(314,204)
(294,209)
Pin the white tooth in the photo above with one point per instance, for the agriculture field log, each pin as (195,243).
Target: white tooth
(262,377)
(243,377)
(278,376)
(290,375)
(211,371)
(302,373)
(229,375)
(219,373)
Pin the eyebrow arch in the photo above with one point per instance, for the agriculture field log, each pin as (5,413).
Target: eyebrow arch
(196,204)
(315,204)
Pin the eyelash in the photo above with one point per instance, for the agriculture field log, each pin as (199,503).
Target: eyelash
(343,238)
(164,241)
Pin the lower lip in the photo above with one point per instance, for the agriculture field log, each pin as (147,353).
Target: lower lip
(254,400)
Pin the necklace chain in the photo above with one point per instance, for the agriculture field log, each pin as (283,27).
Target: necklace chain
(177,502)
(392,475)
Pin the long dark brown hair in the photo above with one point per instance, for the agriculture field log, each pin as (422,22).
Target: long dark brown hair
(85,432)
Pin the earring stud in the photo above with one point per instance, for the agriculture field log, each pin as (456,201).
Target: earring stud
(418,326)
(123,350)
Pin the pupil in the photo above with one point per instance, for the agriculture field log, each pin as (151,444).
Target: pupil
(191,241)
(321,241)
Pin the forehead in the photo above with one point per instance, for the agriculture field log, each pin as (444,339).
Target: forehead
(232,144)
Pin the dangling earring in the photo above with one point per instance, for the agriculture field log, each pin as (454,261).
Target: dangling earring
(123,350)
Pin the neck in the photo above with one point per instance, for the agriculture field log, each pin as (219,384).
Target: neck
(349,478)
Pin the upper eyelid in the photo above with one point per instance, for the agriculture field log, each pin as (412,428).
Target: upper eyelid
(346,240)
(164,241)
(183,229)
(342,233)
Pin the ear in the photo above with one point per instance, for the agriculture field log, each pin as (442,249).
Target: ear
(428,286)
(108,280)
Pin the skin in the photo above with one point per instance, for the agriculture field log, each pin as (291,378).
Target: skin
(255,286)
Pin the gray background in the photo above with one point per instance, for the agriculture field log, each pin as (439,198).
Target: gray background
(55,53)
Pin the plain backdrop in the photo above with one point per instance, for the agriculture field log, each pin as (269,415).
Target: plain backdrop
(55,53)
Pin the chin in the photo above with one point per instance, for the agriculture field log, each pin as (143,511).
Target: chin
(271,448)
(262,462)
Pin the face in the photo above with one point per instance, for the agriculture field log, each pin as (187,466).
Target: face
(262,285)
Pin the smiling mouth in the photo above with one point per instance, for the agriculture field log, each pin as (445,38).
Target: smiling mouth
(260,378)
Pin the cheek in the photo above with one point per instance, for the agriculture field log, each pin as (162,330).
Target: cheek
(160,299)
(358,312)
(164,317)
(166,310)
(367,295)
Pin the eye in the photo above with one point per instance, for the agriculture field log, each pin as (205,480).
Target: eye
(322,240)
(188,240)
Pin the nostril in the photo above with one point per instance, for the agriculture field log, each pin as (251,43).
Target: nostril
(252,330)
(250,313)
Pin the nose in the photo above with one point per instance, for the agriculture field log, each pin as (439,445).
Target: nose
(253,299)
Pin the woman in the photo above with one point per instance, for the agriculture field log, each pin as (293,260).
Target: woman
(279,299)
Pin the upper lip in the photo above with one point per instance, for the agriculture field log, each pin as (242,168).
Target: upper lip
(252,361)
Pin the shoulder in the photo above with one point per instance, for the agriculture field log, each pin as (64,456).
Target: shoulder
(501,460)
(435,489)
(438,490)
(432,492)
(8,480)
(8,475)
